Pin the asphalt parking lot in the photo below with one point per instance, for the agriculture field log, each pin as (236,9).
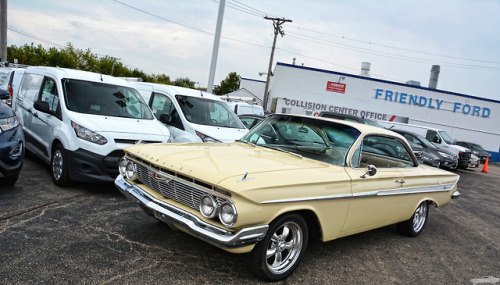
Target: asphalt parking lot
(91,234)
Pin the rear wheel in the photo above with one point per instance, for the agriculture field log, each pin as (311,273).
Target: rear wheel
(59,167)
(278,254)
(414,226)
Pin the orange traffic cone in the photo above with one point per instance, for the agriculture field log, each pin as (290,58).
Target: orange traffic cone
(485,167)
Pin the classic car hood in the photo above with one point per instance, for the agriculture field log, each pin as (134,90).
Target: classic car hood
(214,162)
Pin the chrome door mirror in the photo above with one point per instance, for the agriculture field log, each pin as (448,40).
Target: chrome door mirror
(370,170)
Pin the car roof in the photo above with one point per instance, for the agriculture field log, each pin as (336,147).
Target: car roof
(77,74)
(363,128)
(176,90)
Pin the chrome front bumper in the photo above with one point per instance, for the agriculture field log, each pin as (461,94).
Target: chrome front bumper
(174,216)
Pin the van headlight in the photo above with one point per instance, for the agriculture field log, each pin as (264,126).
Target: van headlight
(205,138)
(88,135)
(228,214)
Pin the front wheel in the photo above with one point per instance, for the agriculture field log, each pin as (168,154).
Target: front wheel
(59,167)
(414,226)
(278,254)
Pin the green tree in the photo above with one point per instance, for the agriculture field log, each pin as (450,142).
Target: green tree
(74,58)
(228,85)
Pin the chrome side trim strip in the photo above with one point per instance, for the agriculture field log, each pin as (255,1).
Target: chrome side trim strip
(390,192)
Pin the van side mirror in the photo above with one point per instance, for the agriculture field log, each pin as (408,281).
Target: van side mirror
(164,119)
(4,94)
(42,106)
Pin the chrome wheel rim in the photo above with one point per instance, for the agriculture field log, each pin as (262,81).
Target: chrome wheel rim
(57,164)
(284,247)
(419,217)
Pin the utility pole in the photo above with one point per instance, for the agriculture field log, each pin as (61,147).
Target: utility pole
(3,30)
(215,50)
(277,22)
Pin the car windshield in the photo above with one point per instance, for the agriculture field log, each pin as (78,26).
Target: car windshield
(208,112)
(104,99)
(446,137)
(308,137)
(427,143)
(476,147)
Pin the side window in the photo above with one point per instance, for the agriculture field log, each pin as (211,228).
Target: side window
(219,114)
(49,94)
(162,105)
(384,152)
(433,136)
(30,86)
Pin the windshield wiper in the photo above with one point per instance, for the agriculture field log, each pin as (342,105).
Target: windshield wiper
(282,150)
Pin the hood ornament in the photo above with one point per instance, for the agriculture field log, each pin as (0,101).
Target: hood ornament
(244,178)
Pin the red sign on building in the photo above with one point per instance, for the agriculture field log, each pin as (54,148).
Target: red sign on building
(335,87)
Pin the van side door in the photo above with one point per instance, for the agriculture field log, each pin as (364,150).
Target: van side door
(165,111)
(42,124)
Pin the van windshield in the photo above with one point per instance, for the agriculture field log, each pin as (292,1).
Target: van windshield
(208,112)
(104,99)
(446,137)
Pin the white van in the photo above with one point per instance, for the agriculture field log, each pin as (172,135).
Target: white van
(439,138)
(243,108)
(79,122)
(192,115)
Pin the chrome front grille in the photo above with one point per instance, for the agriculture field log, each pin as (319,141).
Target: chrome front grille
(172,187)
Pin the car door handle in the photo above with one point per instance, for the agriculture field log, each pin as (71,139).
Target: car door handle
(400,181)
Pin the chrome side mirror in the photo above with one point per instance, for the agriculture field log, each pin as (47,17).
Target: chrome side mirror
(370,170)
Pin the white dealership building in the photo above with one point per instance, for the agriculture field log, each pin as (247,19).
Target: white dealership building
(305,90)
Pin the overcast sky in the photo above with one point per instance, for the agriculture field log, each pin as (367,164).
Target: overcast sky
(401,39)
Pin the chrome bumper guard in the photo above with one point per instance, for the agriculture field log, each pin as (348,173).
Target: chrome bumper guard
(172,215)
(455,195)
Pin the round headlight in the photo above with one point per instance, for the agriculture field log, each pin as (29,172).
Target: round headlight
(130,171)
(228,214)
(208,206)
(122,165)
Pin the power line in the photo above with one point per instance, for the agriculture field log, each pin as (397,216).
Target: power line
(386,54)
(393,47)
(21,32)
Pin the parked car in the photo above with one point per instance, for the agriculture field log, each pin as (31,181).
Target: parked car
(78,122)
(439,138)
(11,144)
(350,118)
(476,149)
(6,78)
(431,155)
(474,161)
(251,121)
(289,179)
(192,115)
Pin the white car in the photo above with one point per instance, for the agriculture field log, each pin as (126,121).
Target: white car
(192,115)
(79,122)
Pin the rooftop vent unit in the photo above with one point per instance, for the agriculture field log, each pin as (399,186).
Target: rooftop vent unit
(413,83)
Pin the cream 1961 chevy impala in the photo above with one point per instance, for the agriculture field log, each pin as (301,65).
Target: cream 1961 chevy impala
(288,179)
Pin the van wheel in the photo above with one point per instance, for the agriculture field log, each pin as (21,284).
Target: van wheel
(278,254)
(59,167)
